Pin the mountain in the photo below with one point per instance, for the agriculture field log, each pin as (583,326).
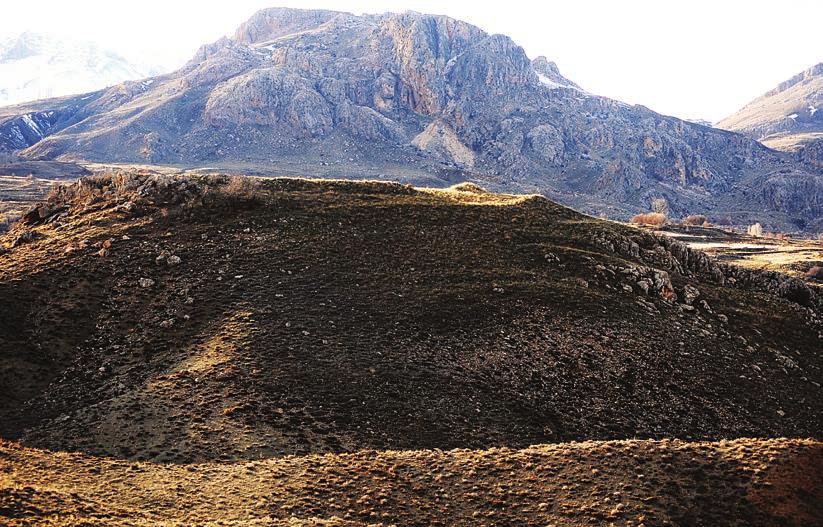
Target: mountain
(38,66)
(421,99)
(789,117)
(204,339)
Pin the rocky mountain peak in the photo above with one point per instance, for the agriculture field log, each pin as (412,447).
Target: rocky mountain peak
(275,22)
(549,74)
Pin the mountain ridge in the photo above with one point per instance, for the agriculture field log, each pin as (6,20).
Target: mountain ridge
(423,99)
(788,117)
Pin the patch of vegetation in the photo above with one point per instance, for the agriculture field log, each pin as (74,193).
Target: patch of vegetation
(655,219)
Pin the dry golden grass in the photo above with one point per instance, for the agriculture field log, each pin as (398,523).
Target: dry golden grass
(743,482)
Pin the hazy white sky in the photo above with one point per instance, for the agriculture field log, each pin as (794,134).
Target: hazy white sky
(691,58)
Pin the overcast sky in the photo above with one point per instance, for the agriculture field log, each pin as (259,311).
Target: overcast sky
(693,59)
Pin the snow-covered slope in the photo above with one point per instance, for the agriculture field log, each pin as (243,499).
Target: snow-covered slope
(36,66)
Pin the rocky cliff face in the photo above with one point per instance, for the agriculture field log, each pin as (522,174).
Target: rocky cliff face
(424,99)
(787,118)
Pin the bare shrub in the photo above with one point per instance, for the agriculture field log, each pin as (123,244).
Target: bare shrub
(656,219)
(755,230)
(695,220)
(93,186)
(660,205)
(238,192)
(776,235)
(8,218)
(468,186)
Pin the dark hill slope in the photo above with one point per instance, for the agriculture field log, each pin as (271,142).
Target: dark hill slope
(182,319)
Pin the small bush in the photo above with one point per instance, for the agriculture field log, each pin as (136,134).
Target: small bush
(238,192)
(7,219)
(243,187)
(780,236)
(656,219)
(468,186)
(695,220)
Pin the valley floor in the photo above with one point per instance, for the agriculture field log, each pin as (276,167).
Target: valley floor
(742,482)
(794,257)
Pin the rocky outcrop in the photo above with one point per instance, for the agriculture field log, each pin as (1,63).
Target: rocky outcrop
(270,96)
(549,74)
(669,255)
(439,139)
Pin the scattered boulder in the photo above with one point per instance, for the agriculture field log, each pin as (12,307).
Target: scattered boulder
(815,272)
(690,294)
(644,285)
(145,283)
(165,257)
(25,237)
(794,290)
(663,285)
(41,213)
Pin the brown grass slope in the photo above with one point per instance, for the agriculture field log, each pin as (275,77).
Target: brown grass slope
(735,483)
(318,316)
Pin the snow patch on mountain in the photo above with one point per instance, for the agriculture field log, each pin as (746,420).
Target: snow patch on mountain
(36,66)
(550,83)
